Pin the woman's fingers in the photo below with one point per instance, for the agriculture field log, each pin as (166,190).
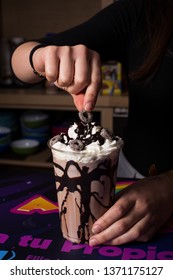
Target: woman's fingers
(46,62)
(94,87)
(115,222)
(88,85)
(124,230)
(75,69)
(140,221)
(79,101)
(120,209)
(82,70)
(66,71)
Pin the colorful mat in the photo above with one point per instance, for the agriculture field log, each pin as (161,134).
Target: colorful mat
(29,223)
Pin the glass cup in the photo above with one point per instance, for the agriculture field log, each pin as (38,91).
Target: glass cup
(85,187)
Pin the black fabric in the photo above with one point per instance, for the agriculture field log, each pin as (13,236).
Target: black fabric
(118,32)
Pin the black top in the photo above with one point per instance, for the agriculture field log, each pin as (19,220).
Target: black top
(116,33)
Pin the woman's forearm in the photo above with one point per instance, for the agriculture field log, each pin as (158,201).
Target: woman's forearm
(21,65)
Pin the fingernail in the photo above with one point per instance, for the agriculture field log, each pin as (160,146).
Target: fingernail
(88,106)
(96,229)
(93,242)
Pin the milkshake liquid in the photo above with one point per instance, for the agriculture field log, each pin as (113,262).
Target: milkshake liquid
(85,191)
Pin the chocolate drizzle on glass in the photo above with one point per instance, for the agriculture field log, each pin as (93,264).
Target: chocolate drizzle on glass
(85,190)
(71,185)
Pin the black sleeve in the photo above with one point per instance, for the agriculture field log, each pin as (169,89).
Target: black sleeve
(108,32)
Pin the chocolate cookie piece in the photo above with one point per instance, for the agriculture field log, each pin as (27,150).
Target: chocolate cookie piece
(106,133)
(76,145)
(85,117)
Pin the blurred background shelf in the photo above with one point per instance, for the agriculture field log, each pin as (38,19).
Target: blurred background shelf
(39,159)
(58,100)
(53,100)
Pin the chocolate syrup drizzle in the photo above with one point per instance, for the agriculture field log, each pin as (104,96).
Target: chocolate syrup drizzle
(105,168)
(86,133)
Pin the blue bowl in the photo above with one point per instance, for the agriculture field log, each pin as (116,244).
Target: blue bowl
(24,146)
(4,131)
(34,119)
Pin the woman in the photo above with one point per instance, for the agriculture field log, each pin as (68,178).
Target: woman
(139,34)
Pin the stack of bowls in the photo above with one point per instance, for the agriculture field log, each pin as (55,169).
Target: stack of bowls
(24,147)
(5,138)
(9,119)
(35,125)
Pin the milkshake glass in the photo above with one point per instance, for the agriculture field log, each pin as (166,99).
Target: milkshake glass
(85,184)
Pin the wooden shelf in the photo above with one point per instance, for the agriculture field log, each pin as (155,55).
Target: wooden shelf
(42,158)
(53,99)
(58,100)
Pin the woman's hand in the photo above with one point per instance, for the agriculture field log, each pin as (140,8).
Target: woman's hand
(75,69)
(138,213)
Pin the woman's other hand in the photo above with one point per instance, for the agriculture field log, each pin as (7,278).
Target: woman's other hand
(139,212)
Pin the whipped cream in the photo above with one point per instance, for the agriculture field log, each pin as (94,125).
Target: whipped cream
(85,142)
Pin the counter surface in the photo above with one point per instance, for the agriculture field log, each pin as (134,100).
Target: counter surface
(29,223)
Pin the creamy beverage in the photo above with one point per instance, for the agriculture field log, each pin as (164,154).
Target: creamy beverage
(85,165)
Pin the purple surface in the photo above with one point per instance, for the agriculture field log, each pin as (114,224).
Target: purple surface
(29,224)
